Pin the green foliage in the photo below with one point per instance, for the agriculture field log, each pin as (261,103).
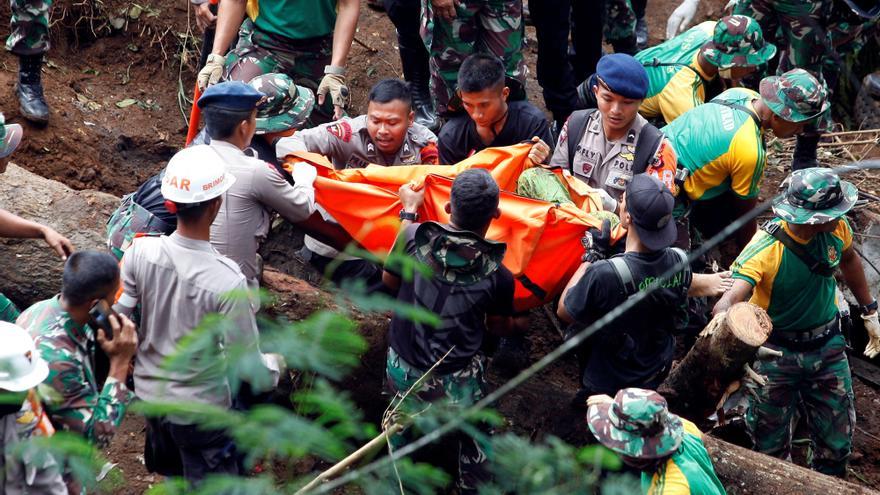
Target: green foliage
(74,454)
(227,485)
(551,467)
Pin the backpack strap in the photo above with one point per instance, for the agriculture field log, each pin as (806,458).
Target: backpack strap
(281,170)
(742,108)
(624,275)
(658,63)
(577,125)
(815,266)
(646,147)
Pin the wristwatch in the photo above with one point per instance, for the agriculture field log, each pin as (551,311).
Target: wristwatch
(867,308)
(408,215)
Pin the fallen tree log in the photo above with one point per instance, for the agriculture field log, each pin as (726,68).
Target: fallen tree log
(746,472)
(695,386)
(31,271)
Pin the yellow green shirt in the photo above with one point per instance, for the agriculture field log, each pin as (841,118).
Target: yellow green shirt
(675,79)
(688,471)
(795,298)
(722,147)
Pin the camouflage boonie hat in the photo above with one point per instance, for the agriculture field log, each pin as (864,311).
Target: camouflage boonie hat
(796,96)
(10,137)
(636,424)
(458,257)
(738,42)
(286,106)
(813,196)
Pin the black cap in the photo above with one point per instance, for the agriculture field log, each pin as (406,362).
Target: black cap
(649,202)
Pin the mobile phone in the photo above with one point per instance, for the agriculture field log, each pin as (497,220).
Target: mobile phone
(99,317)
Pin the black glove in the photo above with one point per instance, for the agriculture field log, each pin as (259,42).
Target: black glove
(597,243)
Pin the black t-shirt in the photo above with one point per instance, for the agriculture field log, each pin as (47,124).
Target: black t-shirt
(459,139)
(637,345)
(462,310)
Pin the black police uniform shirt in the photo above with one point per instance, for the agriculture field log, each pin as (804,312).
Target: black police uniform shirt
(462,310)
(459,139)
(634,349)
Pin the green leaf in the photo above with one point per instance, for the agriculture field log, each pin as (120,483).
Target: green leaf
(126,102)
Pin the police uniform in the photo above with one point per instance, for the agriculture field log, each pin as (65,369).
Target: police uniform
(601,163)
(347,144)
(246,212)
(177,281)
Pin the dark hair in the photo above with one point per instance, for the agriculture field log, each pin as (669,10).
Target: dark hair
(192,213)
(480,71)
(88,275)
(474,199)
(388,90)
(220,123)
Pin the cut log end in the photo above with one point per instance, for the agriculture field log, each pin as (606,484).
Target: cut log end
(749,323)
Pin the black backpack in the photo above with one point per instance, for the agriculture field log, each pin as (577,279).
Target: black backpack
(646,145)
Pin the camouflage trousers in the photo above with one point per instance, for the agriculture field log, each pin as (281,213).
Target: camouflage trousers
(259,53)
(29,26)
(819,379)
(487,26)
(8,310)
(129,220)
(460,389)
(620,22)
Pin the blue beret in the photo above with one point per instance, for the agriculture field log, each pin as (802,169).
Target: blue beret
(234,95)
(624,75)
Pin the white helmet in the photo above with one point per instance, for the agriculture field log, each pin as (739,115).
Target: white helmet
(21,367)
(195,174)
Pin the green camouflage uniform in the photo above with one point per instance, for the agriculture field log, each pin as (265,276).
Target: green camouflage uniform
(29,24)
(813,369)
(462,388)
(70,393)
(8,310)
(258,53)
(491,26)
(620,23)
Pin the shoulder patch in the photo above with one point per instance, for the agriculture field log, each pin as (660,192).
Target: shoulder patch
(341,129)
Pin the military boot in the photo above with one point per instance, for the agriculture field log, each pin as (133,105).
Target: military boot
(805,152)
(414,60)
(30,90)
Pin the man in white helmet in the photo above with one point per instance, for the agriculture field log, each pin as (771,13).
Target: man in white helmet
(178,280)
(21,416)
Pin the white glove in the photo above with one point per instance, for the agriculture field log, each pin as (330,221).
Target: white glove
(681,17)
(872,326)
(212,71)
(596,400)
(730,5)
(304,174)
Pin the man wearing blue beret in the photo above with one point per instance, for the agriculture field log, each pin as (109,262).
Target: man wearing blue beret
(606,146)
(230,111)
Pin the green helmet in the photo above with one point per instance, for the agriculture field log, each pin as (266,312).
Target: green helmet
(738,42)
(636,424)
(458,257)
(10,137)
(813,196)
(286,106)
(796,96)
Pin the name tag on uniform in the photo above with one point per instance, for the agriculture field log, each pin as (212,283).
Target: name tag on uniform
(619,173)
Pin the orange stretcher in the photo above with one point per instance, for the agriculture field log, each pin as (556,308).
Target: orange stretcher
(543,239)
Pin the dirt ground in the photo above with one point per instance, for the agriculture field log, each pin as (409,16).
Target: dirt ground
(117,96)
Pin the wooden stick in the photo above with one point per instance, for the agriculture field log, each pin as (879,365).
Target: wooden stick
(846,149)
(355,456)
(849,133)
(848,143)
(368,47)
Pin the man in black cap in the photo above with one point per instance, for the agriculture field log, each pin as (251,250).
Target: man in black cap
(636,349)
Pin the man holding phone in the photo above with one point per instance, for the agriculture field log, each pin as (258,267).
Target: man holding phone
(66,329)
